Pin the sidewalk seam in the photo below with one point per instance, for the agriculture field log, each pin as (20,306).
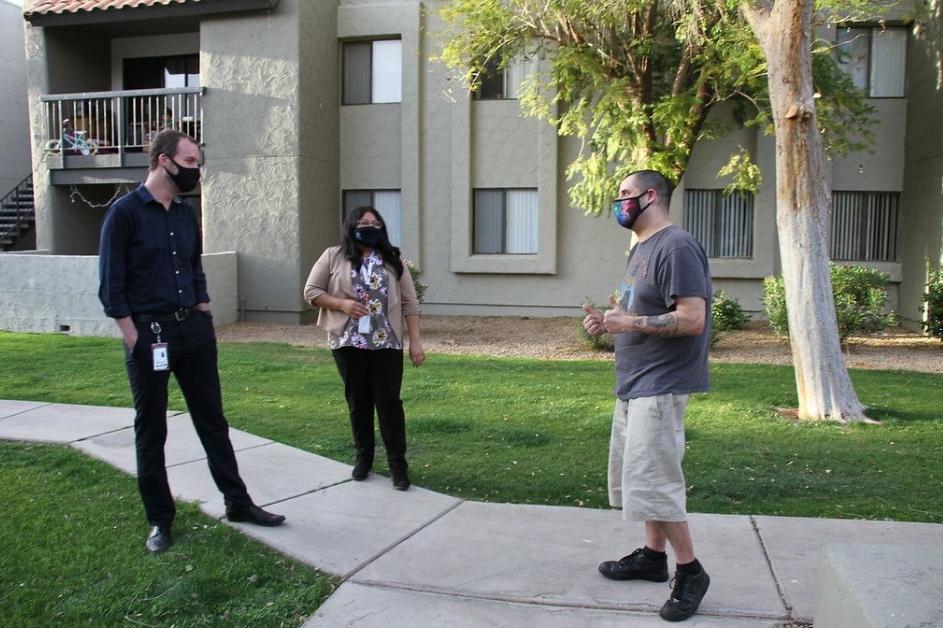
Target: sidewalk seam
(772,570)
(10,416)
(639,608)
(399,541)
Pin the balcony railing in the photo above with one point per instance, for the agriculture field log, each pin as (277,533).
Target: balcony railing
(117,123)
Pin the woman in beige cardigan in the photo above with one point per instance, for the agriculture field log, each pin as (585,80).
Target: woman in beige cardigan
(364,293)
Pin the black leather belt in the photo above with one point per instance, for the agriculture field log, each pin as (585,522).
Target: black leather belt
(174,317)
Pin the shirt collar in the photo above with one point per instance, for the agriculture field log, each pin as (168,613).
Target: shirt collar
(146,197)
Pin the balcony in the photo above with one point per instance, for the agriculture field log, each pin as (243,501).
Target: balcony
(100,137)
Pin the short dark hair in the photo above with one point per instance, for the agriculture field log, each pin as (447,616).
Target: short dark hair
(654,180)
(166,143)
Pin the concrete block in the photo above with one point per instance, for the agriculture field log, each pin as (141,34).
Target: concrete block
(360,606)
(794,545)
(880,586)
(64,423)
(182,446)
(9,407)
(342,527)
(272,472)
(550,555)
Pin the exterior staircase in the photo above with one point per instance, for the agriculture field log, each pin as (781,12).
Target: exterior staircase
(17,214)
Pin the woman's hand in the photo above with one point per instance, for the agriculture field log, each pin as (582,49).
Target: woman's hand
(416,354)
(354,309)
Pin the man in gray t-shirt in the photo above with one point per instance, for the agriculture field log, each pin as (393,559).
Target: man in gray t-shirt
(661,325)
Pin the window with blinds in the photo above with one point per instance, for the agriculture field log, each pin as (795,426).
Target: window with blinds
(875,58)
(505,221)
(387,202)
(722,223)
(864,226)
(373,72)
(504,84)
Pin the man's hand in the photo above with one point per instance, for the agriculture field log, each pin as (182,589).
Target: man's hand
(615,318)
(593,323)
(354,309)
(128,331)
(203,307)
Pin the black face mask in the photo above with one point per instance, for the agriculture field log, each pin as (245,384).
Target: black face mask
(367,236)
(185,179)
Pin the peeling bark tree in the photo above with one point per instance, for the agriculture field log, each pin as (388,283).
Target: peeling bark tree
(784,29)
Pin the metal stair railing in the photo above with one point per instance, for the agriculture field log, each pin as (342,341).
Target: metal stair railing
(16,210)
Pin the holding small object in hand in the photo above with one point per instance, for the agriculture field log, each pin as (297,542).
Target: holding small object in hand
(365,294)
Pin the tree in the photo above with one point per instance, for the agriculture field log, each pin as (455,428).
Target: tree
(636,80)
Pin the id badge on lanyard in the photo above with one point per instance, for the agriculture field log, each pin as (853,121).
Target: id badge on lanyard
(159,350)
(366,269)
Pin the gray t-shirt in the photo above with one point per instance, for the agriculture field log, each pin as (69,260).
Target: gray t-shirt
(668,265)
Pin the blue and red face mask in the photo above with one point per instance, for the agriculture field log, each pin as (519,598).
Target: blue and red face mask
(628,209)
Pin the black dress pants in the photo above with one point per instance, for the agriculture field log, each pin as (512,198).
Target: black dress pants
(372,379)
(191,348)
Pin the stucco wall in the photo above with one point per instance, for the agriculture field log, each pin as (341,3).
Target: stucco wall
(249,65)
(922,214)
(59,293)
(14,123)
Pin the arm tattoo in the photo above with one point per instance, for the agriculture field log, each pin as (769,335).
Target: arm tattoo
(663,325)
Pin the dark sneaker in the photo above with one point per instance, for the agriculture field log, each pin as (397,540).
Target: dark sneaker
(636,566)
(361,469)
(687,591)
(158,540)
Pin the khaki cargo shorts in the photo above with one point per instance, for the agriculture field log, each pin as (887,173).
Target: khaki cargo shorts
(645,452)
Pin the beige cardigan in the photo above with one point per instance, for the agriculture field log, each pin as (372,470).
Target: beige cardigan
(331,275)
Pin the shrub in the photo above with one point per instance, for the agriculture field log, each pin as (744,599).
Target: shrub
(860,294)
(726,313)
(933,303)
(414,272)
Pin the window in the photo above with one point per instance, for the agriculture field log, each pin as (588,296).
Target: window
(875,58)
(498,84)
(505,221)
(373,72)
(158,72)
(387,202)
(722,223)
(864,226)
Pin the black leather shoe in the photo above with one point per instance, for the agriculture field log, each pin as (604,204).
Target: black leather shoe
(253,514)
(687,591)
(158,540)
(636,566)
(400,479)
(361,469)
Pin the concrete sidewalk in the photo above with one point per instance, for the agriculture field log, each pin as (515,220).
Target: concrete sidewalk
(419,558)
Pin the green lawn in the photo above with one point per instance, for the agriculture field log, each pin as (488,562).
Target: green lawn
(537,430)
(72,554)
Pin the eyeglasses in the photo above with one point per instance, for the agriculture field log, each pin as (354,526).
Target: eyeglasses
(370,223)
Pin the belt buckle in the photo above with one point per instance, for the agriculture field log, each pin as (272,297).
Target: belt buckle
(181,314)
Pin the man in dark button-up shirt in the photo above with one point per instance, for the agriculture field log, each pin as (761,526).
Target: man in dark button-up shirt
(152,284)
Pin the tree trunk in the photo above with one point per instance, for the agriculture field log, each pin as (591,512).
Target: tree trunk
(802,212)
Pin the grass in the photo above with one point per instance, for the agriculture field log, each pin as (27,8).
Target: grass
(537,431)
(66,558)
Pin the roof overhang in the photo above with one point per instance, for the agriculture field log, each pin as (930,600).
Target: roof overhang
(83,12)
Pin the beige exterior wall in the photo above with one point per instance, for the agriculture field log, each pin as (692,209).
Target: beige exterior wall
(922,228)
(59,293)
(14,124)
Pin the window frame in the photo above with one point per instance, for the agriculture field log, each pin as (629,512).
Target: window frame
(343,73)
(504,219)
(870,27)
(715,226)
(896,198)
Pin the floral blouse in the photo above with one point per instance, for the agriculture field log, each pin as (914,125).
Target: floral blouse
(371,283)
